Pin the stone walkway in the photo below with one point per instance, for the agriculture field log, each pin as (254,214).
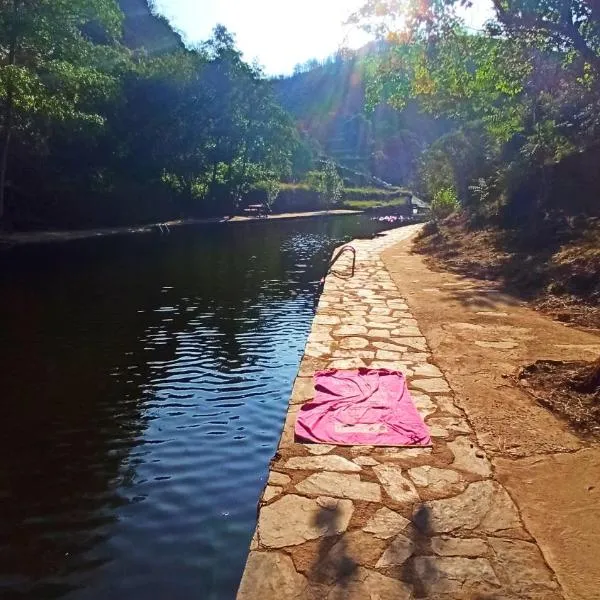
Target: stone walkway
(352,523)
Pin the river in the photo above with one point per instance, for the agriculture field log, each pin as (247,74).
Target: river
(144,384)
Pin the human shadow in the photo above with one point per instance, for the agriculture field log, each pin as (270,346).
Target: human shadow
(333,564)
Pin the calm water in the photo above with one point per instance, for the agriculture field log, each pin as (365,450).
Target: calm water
(144,384)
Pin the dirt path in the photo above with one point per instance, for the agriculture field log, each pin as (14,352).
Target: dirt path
(479,338)
(359,523)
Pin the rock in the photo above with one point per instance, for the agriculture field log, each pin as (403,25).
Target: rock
(522,566)
(272,576)
(492,313)
(346,363)
(254,542)
(353,343)
(271,491)
(368,354)
(427,370)
(447,405)
(350,330)
(386,523)
(469,547)
(398,552)
(369,585)
(441,482)
(430,385)
(381,319)
(398,487)
(468,457)
(293,520)
(458,577)
(441,426)
(502,345)
(320,335)
(319,449)
(281,479)
(391,366)
(365,461)
(330,462)
(380,310)
(483,506)
(340,485)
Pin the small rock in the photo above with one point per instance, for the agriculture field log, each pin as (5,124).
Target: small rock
(271,491)
(346,363)
(281,479)
(353,343)
(350,330)
(365,461)
(388,346)
(319,449)
(386,524)
(427,370)
(438,481)
(468,457)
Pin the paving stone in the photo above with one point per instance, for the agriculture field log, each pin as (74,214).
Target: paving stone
(379,333)
(350,330)
(522,566)
(386,524)
(319,449)
(377,325)
(381,319)
(443,426)
(483,506)
(406,332)
(433,385)
(427,370)
(317,349)
(293,520)
(281,479)
(271,491)
(346,363)
(365,461)
(449,546)
(365,354)
(438,481)
(389,346)
(272,576)
(352,343)
(369,585)
(380,310)
(415,357)
(418,343)
(456,577)
(396,485)
(391,366)
(398,552)
(447,405)
(424,404)
(304,390)
(326,320)
(340,485)
(501,345)
(468,457)
(389,356)
(329,462)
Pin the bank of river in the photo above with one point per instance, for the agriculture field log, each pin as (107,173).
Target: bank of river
(145,382)
(40,237)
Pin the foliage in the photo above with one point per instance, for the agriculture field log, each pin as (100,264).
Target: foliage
(521,98)
(444,203)
(327,183)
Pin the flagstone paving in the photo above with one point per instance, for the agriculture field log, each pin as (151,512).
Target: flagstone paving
(387,523)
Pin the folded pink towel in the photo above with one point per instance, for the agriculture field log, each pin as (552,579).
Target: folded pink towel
(361,407)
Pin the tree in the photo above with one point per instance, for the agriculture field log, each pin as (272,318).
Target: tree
(58,61)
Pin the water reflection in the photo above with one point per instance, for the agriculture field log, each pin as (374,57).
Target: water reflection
(144,384)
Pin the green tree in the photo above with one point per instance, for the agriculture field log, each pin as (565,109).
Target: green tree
(59,58)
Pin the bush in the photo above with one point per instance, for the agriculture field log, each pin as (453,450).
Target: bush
(445,202)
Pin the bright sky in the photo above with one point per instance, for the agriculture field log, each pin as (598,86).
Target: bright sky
(279,34)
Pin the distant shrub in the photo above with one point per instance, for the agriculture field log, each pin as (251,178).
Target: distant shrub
(445,202)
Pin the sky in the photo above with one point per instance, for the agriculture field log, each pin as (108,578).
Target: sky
(279,34)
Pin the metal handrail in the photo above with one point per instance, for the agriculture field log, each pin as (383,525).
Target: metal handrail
(339,254)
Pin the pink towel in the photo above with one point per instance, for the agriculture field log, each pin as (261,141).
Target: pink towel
(361,407)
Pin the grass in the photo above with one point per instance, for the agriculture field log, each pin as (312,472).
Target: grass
(371,204)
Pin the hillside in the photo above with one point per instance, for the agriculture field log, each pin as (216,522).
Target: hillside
(330,105)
